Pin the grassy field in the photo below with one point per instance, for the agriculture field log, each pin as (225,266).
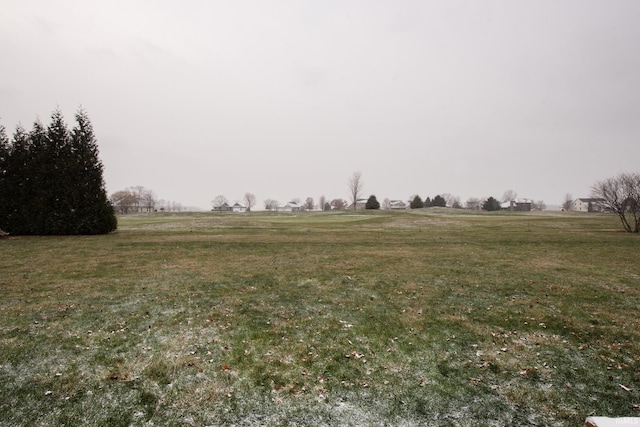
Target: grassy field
(367,318)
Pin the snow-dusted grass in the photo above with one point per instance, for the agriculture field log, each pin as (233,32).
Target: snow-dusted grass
(421,318)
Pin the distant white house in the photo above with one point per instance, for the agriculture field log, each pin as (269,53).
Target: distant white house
(238,207)
(397,205)
(291,207)
(588,205)
(226,207)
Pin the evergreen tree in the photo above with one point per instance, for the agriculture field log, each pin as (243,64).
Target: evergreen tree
(5,153)
(51,181)
(57,216)
(372,203)
(35,174)
(427,202)
(439,201)
(4,149)
(491,204)
(416,203)
(12,184)
(94,214)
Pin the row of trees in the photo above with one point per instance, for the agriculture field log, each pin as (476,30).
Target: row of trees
(140,199)
(438,201)
(355,188)
(415,202)
(134,199)
(51,180)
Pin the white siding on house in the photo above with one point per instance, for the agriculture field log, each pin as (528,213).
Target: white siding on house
(397,204)
(238,207)
(582,205)
(290,207)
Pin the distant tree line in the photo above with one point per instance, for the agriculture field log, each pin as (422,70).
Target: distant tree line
(138,199)
(51,180)
(416,202)
(355,187)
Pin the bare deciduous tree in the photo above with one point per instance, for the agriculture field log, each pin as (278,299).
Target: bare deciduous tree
(509,195)
(124,201)
(219,201)
(168,206)
(567,202)
(148,200)
(621,194)
(386,203)
(538,205)
(452,201)
(134,199)
(473,203)
(271,205)
(355,188)
(338,204)
(249,201)
(308,204)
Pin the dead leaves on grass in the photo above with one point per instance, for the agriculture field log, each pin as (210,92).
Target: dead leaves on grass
(355,355)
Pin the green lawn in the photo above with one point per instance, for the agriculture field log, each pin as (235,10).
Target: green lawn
(353,318)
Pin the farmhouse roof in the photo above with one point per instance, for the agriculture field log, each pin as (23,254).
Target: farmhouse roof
(518,201)
(592,200)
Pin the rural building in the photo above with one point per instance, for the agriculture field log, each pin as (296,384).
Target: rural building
(397,205)
(360,204)
(517,205)
(238,207)
(225,207)
(588,205)
(291,207)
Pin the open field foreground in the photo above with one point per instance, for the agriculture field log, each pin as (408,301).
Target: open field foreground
(374,318)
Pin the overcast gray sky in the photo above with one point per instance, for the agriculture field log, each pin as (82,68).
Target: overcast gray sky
(286,99)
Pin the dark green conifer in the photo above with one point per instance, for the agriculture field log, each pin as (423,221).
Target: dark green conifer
(372,203)
(439,201)
(416,203)
(94,213)
(51,181)
(491,204)
(13,186)
(5,152)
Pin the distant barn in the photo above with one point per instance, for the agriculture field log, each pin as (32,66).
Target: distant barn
(517,205)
